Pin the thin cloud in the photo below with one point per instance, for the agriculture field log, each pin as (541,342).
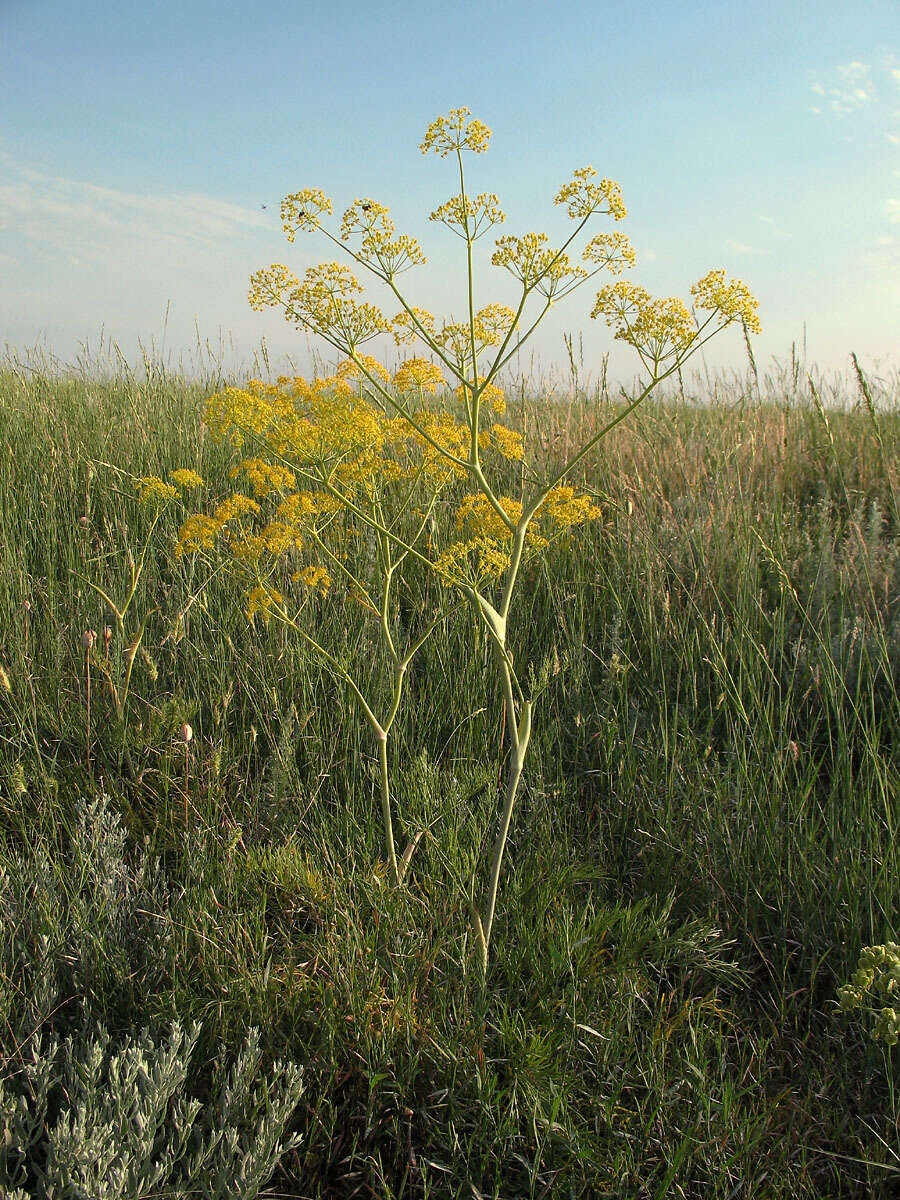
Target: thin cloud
(79,254)
(743,248)
(773,227)
(83,219)
(850,89)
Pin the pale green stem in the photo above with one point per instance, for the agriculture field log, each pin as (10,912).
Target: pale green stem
(520,737)
(476,391)
(386,807)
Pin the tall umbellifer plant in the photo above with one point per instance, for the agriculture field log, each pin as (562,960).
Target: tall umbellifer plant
(373,459)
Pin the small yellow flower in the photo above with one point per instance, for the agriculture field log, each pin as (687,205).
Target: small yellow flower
(610,250)
(534,263)
(455,132)
(564,508)
(301,210)
(584,198)
(489,393)
(479,515)
(199,532)
(265,477)
(507,442)
(186,478)
(732,300)
(407,326)
(348,369)
(418,373)
(153,490)
(473,562)
(269,285)
(237,505)
(315,578)
(661,328)
(260,600)
(470,216)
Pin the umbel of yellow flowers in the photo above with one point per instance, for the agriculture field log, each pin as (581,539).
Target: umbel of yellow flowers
(346,471)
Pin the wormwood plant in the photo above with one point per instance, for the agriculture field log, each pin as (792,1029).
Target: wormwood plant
(336,465)
(83,1119)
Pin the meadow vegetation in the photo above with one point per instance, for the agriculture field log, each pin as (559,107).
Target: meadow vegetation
(705,836)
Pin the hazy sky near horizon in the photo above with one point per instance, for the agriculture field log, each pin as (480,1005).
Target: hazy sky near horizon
(144,149)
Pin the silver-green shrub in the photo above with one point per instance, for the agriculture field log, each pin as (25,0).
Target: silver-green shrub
(90,921)
(84,1121)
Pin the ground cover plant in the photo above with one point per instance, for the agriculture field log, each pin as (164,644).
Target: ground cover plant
(705,840)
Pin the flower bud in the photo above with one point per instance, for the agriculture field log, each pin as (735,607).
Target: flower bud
(185,733)
(87,640)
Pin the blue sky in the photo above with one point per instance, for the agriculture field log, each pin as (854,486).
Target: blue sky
(139,143)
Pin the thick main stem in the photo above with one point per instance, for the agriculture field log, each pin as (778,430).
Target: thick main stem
(386,805)
(521,736)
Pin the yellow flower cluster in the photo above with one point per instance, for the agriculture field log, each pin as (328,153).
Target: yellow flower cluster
(732,300)
(474,562)
(186,479)
(405,328)
(265,477)
(659,328)
(470,216)
(270,285)
(564,508)
(483,555)
(419,373)
(488,392)
(153,490)
(451,435)
(301,210)
(235,506)
(273,539)
(584,198)
(489,326)
(507,442)
(492,323)
(260,600)
(479,515)
(363,216)
(392,254)
(323,302)
(455,132)
(610,250)
(315,578)
(199,532)
(348,369)
(533,262)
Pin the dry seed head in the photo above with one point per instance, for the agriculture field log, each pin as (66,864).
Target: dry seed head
(4,680)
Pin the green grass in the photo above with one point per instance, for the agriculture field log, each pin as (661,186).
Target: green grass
(706,837)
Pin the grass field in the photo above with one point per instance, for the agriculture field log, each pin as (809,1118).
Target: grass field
(706,838)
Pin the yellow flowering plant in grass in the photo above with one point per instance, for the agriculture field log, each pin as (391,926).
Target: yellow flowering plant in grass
(342,494)
(494,533)
(877,976)
(156,494)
